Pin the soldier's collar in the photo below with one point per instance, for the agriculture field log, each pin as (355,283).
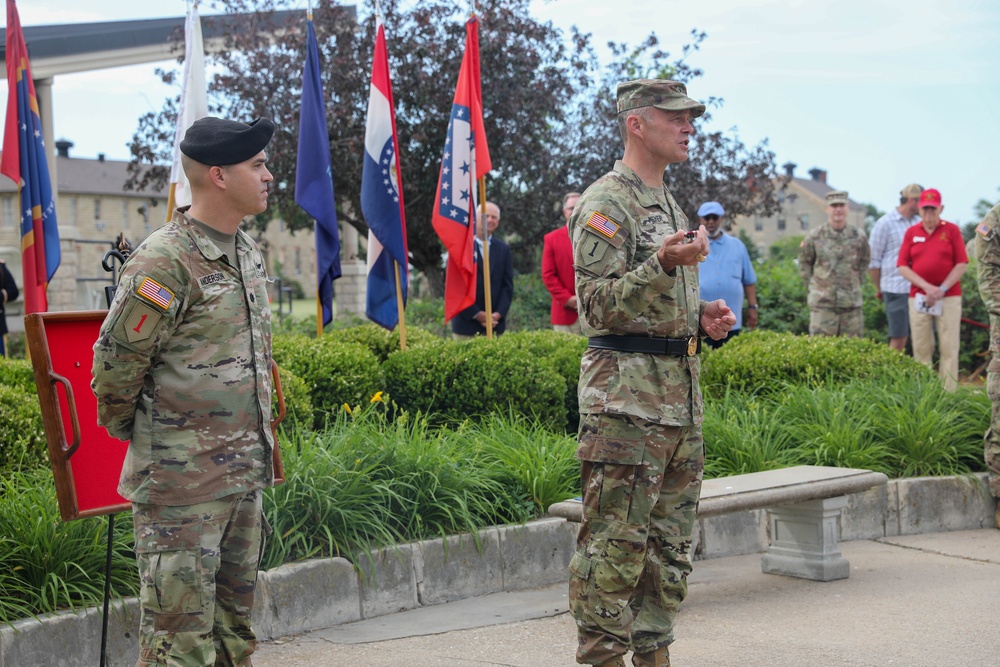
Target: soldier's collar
(646,196)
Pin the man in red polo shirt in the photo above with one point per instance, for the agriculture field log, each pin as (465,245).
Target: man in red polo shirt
(933,259)
(557,271)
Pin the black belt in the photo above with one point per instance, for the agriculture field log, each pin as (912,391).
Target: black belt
(678,347)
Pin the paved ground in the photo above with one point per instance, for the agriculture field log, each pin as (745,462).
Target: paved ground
(928,600)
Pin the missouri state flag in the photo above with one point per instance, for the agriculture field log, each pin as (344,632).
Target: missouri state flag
(466,159)
(24,162)
(382,196)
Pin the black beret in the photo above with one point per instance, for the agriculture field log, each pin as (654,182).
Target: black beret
(218,142)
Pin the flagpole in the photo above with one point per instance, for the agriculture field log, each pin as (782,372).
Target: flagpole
(399,307)
(487,286)
(319,301)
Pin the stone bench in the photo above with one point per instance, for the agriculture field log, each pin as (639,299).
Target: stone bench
(803,504)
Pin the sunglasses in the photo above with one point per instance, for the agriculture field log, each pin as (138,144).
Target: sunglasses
(711,217)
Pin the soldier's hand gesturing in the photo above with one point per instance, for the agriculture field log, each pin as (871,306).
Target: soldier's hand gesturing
(677,250)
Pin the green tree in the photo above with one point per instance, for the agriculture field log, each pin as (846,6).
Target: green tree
(549,110)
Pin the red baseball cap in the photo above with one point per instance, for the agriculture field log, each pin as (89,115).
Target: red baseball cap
(930,198)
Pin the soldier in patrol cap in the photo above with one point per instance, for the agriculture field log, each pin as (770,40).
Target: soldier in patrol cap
(182,370)
(640,444)
(833,259)
(988,254)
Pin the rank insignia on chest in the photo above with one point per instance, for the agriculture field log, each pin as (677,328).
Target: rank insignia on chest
(155,293)
(603,225)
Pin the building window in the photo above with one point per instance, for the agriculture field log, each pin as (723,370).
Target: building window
(758,226)
(298,261)
(97,208)
(781,224)
(804,221)
(125,203)
(8,212)
(73,201)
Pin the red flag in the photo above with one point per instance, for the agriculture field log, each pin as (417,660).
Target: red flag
(24,162)
(466,159)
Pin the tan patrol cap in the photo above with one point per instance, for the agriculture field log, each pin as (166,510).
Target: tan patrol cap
(911,191)
(660,93)
(836,197)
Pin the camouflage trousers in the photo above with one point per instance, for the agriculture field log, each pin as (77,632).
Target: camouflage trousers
(197,576)
(991,449)
(836,322)
(641,483)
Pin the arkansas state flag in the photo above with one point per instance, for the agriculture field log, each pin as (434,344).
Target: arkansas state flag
(24,162)
(382,196)
(466,159)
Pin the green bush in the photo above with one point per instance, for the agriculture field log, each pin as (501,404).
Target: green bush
(531,309)
(782,297)
(763,361)
(22,434)
(564,352)
(18,374)
(381,341)
(298,403)
(454,381)
(335,372)
(428,314)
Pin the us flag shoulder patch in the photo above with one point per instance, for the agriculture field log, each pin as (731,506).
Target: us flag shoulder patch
(603,225)
(984,230)
(156,293)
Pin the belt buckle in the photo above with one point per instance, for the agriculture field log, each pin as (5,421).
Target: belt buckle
(692,346)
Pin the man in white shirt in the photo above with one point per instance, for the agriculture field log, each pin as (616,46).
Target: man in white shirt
(885,241)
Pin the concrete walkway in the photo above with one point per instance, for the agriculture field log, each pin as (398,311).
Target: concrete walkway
(914,601)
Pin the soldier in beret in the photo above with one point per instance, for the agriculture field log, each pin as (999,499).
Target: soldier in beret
(832,261)
(182,370)
(988,254)
(640,444)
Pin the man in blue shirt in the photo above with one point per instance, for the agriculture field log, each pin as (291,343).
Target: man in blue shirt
(727,273)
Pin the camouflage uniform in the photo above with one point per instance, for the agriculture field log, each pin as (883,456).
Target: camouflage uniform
(833,265)
(182,369)
(640,443)
(988,255)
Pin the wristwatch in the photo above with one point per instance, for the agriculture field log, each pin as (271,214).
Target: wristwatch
(752,306)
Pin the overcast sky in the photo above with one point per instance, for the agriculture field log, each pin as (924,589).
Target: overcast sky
(877,93)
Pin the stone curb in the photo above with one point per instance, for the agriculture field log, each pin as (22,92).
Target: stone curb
(322,593)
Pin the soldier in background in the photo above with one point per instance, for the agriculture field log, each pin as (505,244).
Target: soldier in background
(832,261)
(182,370)
(640,444)
(988,254)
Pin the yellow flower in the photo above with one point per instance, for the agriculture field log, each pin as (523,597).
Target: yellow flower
(347,409)
(377,398)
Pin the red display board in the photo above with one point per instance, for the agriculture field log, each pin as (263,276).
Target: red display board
(86,461)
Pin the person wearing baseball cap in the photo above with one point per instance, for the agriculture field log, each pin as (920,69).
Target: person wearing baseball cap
(885,241)
(182,370)
(988,256)
(636,271)
(933,258)
(832,262)
(727,273)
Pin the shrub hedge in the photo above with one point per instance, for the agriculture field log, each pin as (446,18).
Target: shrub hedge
(472,378)
(766,361)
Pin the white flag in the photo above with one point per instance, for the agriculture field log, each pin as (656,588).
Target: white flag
(194,105)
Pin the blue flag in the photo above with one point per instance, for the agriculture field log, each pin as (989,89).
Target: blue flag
(382,197)
(314,177)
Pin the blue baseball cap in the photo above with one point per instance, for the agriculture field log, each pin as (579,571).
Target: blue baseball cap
(710,207)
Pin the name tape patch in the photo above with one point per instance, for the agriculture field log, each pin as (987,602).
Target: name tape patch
(155,292)
(603,225)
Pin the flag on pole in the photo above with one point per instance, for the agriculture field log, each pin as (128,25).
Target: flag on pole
(314,176)
(193,105)
(382,196)
(466,159)
(25,162)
